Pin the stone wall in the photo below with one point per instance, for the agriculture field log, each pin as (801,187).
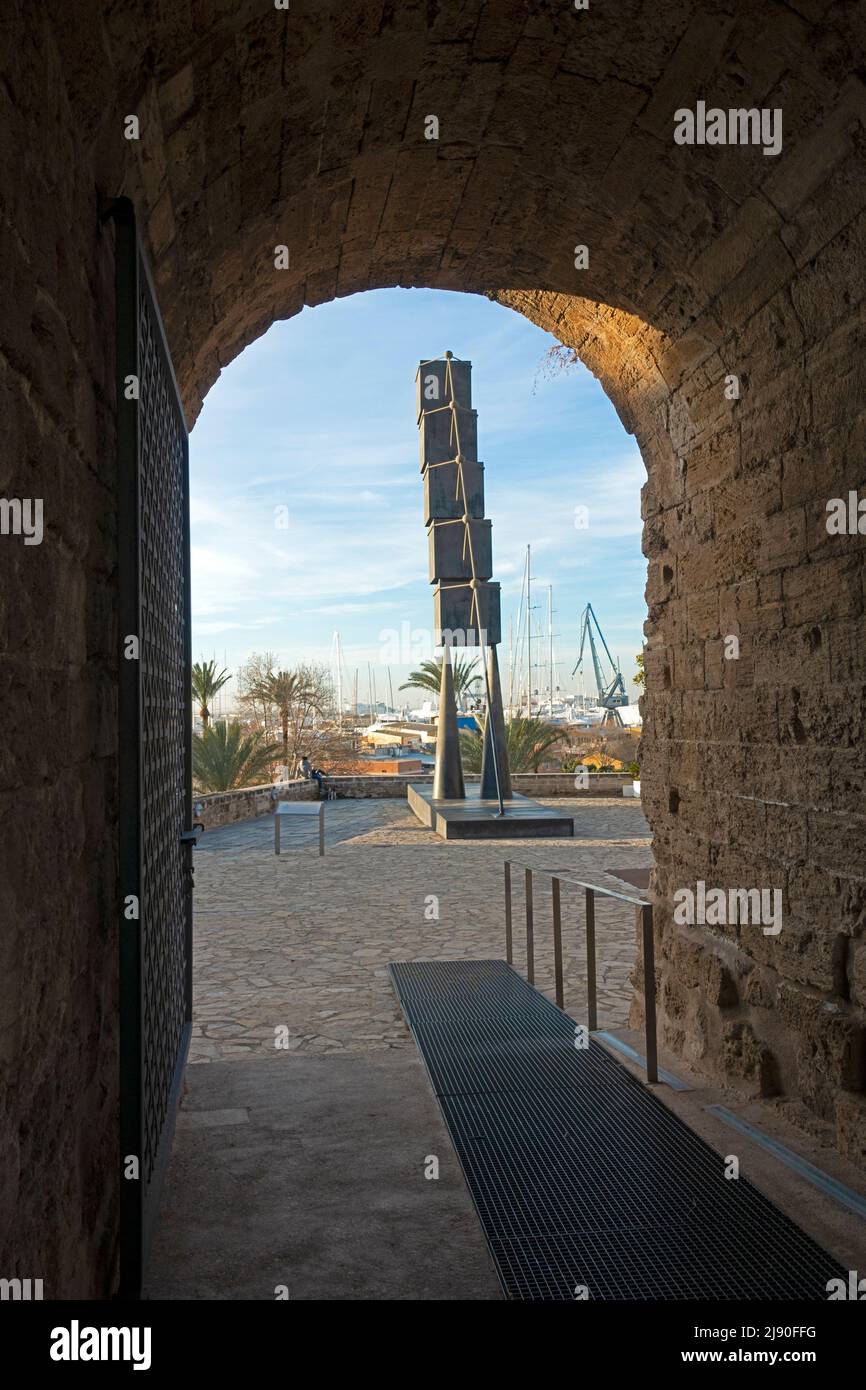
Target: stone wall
(383,785)
(58,661)
(540,784)
(553,784)
(306,127)
(224,808)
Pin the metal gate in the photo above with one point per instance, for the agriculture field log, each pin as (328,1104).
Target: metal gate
(155,755)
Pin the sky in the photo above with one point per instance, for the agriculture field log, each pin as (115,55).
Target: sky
(306,494)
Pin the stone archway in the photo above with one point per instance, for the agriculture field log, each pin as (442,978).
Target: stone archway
(260,127)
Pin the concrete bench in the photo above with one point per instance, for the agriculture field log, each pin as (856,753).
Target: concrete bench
(299,808)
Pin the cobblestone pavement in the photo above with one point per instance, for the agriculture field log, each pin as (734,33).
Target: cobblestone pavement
(302,943)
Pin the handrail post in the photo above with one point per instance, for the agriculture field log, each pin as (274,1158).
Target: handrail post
(557,940)
(643,919)
(645,914)
(591,994)
(530,933)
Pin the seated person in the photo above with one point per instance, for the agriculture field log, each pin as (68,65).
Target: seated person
(310,772)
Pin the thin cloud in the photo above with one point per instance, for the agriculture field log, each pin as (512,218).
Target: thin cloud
(306,491)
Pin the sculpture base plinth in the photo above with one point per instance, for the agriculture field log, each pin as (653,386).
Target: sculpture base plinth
(474,819)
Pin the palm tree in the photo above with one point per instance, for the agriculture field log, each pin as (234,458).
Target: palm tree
(225,756)
(527,741)
(205,684)
(293,698)
(430,676)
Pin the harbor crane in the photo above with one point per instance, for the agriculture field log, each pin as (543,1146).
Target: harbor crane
(611,691)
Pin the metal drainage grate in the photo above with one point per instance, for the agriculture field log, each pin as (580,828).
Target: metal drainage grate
(581,1177)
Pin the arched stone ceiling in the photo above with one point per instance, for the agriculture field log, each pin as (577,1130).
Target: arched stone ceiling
(306,128)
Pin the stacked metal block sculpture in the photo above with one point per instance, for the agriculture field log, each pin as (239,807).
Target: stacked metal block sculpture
(465,599)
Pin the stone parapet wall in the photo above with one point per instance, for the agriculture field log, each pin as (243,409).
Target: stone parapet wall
(533,784)
(223,808)
(245,803)
(546,784)
(382,785)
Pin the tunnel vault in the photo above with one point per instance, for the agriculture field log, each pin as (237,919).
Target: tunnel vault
(720,304)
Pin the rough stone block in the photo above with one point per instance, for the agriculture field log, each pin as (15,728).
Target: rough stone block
(747,1061)
(831,1053)
(857,972)
(851,1127)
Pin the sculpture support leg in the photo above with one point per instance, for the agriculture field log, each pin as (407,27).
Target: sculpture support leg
(448,782)
(494,728)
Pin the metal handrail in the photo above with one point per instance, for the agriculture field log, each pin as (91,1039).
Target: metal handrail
(643,915)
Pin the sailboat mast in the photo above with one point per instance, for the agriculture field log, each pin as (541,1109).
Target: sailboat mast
(514,669)
(550,643)
(528,633)
(339,682)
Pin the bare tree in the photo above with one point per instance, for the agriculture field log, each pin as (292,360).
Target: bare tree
(251,677)
(331,747)
(288,704)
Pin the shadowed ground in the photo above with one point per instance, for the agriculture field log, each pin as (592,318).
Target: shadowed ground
(310,1178)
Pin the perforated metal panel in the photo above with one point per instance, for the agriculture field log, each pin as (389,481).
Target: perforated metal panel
(582,1179)
(164,722)
(155,742)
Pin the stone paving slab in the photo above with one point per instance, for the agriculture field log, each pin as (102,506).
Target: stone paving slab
(294,951)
